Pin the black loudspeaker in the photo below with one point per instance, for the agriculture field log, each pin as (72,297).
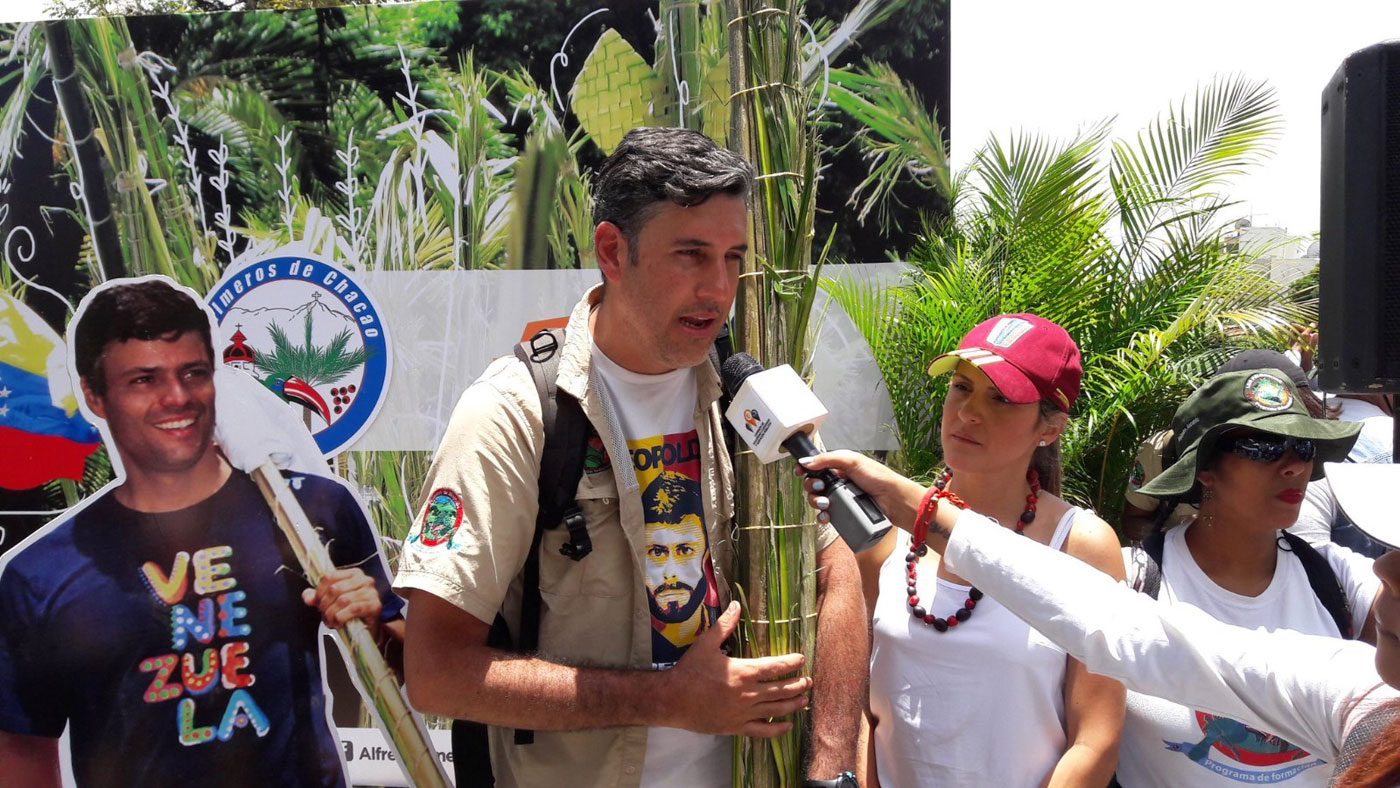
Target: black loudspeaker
(1359,280)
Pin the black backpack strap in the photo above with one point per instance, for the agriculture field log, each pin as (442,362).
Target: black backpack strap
(1324,582)
(1150,554)
(471,754)
(561,467)
(565,442)
(719,353)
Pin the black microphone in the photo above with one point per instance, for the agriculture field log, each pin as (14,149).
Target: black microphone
(775,413)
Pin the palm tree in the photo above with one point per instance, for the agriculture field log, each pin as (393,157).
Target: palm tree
(1133,257)
(289,368)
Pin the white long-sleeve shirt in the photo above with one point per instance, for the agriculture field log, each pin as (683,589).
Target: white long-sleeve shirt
(1308,689)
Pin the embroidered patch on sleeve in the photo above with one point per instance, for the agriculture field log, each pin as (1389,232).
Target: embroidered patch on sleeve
(441,519)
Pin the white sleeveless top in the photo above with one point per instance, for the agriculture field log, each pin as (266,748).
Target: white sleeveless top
(979,705)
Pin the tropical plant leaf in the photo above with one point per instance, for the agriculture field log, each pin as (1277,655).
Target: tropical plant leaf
(900,139)
(1135,259)
(617,90)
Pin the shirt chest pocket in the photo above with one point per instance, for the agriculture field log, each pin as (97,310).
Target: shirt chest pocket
(607,570)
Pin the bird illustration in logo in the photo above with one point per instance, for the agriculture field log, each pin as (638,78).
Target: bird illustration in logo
(751,418)
(1239,742)
(294,389)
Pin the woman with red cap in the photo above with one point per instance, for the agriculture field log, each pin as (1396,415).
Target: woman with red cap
(962,693)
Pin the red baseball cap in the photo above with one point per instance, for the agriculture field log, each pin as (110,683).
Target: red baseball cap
(1028,357)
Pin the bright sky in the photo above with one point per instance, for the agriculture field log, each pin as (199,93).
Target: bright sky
(1051,67)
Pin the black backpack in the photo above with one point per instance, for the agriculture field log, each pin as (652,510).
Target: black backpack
(566,434)
(1320,575)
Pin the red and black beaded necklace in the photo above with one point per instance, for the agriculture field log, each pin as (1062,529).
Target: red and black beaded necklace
(920,548)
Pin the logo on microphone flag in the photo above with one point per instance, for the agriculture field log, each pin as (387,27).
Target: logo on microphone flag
(44,435)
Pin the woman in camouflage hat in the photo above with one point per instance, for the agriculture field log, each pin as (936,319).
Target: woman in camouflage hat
(1247,448)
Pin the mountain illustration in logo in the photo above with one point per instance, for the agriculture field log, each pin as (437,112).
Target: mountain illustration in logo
(311,334)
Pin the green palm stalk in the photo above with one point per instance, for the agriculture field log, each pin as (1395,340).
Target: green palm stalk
(87,153)
(771,127)
(552,223)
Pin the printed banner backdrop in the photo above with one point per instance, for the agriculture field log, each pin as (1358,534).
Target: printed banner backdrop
(343,188)
(457,322)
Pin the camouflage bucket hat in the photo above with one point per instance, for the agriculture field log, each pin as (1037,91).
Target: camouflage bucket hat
(1262,400)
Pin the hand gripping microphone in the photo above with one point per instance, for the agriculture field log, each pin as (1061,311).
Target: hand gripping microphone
(775,413)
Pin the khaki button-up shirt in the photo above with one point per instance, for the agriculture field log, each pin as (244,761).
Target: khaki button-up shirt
(595,610)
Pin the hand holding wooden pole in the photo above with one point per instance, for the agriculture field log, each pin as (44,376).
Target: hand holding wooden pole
(405,730)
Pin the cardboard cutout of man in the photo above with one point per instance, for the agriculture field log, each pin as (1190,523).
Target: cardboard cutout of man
(166,622)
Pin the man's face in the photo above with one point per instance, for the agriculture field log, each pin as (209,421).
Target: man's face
(673,290)
(159,403)
(676,568)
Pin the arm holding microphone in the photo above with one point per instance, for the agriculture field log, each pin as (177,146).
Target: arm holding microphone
(1260,677)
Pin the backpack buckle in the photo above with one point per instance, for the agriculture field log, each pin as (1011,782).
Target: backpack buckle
(579,544)
(543,345)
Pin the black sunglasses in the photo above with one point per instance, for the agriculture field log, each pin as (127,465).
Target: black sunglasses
(1269,448)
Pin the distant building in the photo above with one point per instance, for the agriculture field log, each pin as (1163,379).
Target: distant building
(1276,253)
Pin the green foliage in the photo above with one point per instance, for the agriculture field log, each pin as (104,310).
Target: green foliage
(314,365)
(1132,258)
(76,8)
(389,482)
(901,141)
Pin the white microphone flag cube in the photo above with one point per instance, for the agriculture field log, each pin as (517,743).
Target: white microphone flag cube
(770,407)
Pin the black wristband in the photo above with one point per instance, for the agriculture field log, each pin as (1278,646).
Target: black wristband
(846,779)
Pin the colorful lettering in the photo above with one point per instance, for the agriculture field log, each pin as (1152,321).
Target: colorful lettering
(183,623)
(200,682)
(160,689)
(218,612)
(230,612)
(189,734)
(231,656)
(209,576)
(170,589)
(242,711)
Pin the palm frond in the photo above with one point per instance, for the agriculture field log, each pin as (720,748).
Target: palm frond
(900,138)
(1133,258)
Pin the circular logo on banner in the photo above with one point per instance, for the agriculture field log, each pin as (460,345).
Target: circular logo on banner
(310,333)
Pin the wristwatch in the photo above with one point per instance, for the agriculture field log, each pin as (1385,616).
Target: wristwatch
(846,779)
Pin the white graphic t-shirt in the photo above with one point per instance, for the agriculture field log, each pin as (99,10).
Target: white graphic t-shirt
(1167,744)
(657,417)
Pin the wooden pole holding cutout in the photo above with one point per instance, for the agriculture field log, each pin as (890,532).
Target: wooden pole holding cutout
(406,733)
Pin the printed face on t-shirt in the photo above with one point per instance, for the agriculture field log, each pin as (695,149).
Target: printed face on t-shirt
(680,580)
(676,568)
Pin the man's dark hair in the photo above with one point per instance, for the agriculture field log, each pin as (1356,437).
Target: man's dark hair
(655,165)
(670,497)
(145,310)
